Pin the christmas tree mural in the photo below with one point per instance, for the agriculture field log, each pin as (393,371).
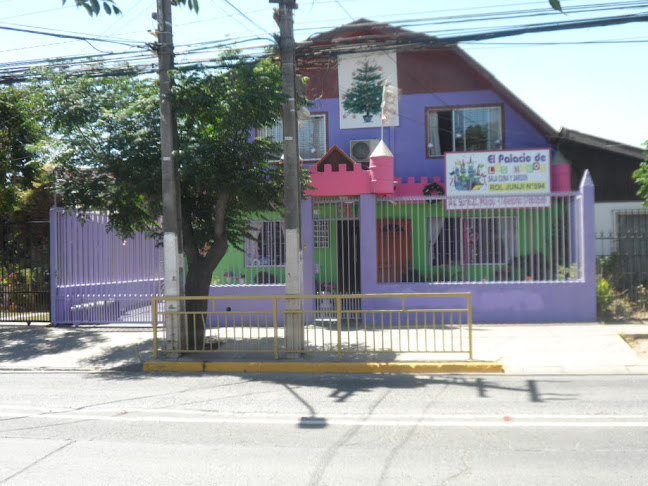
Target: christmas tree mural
(364,95)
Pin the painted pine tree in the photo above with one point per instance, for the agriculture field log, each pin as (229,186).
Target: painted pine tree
(364,95)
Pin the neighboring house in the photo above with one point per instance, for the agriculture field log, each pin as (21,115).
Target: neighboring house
(621,218)
(611,165)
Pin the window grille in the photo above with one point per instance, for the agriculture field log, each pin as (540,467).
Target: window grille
(321,234)
(312,136)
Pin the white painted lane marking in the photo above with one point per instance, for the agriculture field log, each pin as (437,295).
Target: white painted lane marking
(446,421)
(90,410)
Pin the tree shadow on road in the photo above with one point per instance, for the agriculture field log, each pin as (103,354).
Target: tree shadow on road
(21,343)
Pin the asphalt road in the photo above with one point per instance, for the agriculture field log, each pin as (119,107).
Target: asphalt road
(142,429)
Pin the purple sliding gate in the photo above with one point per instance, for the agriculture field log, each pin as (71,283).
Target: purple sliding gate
(98,277)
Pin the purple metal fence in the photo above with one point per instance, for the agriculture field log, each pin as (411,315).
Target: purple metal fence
(98,277)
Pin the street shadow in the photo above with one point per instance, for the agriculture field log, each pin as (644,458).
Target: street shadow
(126,363)
(21,343)
(345,386)
(122,359)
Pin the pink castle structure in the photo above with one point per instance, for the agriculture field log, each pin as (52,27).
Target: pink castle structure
(337,174)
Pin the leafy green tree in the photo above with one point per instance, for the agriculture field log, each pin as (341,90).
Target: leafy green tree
(641,178)
(18,169)
(94,7)
(105,145)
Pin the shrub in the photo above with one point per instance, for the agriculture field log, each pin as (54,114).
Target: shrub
(611,304)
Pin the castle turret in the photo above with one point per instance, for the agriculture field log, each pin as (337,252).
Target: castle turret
(381,169)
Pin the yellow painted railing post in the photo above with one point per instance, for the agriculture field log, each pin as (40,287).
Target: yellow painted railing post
(338,311)
(470,326)
(275,319)
(155,321)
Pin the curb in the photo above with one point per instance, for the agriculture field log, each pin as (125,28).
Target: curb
(274,367)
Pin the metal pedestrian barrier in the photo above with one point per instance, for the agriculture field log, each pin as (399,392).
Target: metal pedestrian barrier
(383,324)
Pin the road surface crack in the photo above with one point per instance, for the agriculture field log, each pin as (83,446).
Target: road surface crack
(37,461)
(464,470)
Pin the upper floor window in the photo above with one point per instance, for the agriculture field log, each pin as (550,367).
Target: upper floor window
(463,130)
(312,136)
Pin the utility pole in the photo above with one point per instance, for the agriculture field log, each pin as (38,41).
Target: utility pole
(292,188)
(171,214)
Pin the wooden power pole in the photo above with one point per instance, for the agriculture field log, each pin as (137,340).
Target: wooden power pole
(292,188)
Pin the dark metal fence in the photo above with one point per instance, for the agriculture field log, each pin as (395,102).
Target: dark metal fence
(622,257)
(24,272)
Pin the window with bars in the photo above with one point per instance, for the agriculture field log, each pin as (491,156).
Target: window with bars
(312,136)
(268,249)
(463,130)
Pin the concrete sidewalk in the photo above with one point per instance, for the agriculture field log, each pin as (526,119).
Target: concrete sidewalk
(521,348)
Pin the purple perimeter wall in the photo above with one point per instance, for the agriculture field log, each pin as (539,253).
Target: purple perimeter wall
(493,302)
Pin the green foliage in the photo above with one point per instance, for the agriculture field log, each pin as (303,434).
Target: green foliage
(192,4)
(641,178)
(105,146)
(555,4)
(641,298)
(218,161)
(611,268)
(18,169)
(568,273)
(19,288)
(93,7)
(611,304)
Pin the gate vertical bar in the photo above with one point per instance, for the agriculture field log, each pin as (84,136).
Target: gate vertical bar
(54,248)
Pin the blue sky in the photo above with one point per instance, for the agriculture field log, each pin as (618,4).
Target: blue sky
(578,83)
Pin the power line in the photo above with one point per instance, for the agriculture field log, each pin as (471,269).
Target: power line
(345,10)
(70,36)
(18,69)
(407,39)
(246,17)
(558,43)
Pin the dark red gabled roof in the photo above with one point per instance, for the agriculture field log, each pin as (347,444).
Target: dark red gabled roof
(360,35)
(365,35)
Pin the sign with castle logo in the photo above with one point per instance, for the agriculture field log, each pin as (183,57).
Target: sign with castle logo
(498,179)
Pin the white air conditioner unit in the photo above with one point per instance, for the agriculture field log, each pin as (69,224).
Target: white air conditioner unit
(360,150)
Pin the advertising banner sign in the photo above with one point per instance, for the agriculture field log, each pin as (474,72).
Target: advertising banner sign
(498,179)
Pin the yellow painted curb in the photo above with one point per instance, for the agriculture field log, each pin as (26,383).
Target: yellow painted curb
(300,367)
(174,366)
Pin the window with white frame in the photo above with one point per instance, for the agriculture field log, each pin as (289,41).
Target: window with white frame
(312,136)
(474,241)
(268,246)
(463,130)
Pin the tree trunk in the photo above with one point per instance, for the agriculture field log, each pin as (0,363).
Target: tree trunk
(197,285)
(201,263)
(199,276)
